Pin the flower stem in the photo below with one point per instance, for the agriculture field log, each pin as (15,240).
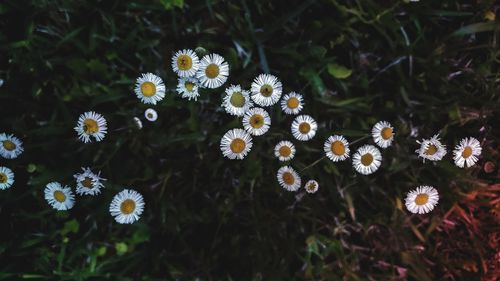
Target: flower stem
(313,163)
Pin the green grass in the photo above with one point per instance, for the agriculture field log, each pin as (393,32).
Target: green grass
(427,67)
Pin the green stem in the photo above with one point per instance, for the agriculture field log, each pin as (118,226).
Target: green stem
(314,163)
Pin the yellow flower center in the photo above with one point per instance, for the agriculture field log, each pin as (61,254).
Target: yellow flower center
(189,86)
(212,71)
(311,186)
(237,99)
(338,148)
(467,152)
(431,150)
(59,196)
(127,206)
(386,133)
(256,121)
(87,182)
(421,199)
(304,128)
(90,126)
(8,145)
(293,103)
(285,151)
(184,62)
(366,159)
(266,90)
(3,178)
(148,89)
(288,178)
(150,115)
(237,145)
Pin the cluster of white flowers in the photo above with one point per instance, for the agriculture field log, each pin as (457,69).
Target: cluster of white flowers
(10,148)
(212,71)
(266,90)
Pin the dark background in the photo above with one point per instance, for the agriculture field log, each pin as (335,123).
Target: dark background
(426,67)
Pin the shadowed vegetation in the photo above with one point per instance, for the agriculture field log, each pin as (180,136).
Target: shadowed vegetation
(426,67)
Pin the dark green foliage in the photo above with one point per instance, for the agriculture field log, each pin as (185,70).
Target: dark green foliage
(427,67)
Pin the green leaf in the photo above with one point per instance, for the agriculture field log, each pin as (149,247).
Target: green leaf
(314,79)
(338,71)
(170,4)
(476,28)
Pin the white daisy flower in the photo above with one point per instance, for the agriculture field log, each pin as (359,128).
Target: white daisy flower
(256,121)
(149,88)
(188,87)
(88,183)
(292,103)
(127,206)
(467,152)
(91,124)
(59,197)
(422,200)
(235,144)
(431,149)
(151,114)
(284,150)
(213,71)
(185,63)
(6,178)
(383,134)
(304,127)
(288,178)
(311,186)
(337,148)
(367,159)
(138,123)
(266,90)
(10,146)
(236,101)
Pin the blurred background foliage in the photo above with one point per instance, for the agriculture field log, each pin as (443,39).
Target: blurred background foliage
(425,66)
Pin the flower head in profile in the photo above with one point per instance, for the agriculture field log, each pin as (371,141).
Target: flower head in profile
(137,122)
(91,124)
